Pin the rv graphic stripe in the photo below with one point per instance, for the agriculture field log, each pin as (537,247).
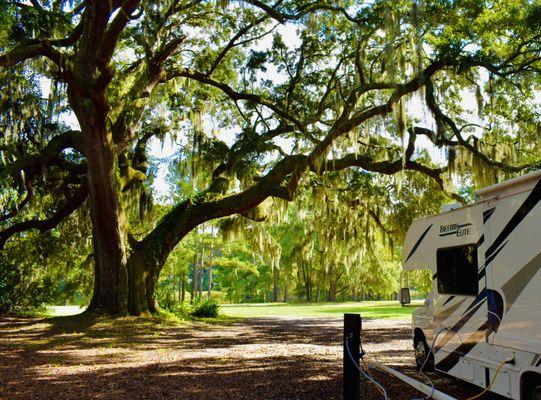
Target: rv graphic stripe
(531,201)
(480,241)
(487,214)
(493,256)
(514,286)
(482,272)
(448,300)
(418,242)
(454,357)
(465,318)
(446,313)
(480,297)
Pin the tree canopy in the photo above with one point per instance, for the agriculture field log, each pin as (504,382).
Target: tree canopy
(338,107)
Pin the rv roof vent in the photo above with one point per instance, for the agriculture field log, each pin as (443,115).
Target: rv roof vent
(449,207)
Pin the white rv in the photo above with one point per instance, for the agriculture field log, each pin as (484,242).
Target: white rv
(483,314)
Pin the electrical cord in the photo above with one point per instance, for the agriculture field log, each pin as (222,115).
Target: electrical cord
(382,390)
(366,367)
(432,383)
(499,319)
(365,374)
(491,382)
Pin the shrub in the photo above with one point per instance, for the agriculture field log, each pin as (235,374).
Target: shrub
(206,309)
(182,309)
(20,292)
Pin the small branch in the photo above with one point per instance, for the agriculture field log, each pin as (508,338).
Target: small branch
(114,30)
(378,222)
(232,43)
(233,94)
(16,210)
(307,9)
(442,118)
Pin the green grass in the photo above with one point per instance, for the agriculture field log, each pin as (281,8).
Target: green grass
(367,309)
(62,311)
(230,312)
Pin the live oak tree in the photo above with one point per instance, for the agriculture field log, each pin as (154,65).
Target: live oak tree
(342,97)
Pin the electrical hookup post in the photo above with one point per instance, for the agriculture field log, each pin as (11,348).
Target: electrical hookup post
(352,340)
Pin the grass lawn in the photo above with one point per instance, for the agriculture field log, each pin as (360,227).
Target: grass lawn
(367,309)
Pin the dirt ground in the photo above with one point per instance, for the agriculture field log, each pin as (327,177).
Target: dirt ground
(274,358)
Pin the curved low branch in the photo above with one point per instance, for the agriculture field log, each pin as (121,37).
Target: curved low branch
(157,245)
(312,7)
(50,155)
(26,51)
(71,204)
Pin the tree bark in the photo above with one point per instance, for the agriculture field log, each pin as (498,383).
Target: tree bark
(285,287)
(183,287)
(210,277)
(194,279)
(108,223)
(331,295)
(276,285)
(201,269)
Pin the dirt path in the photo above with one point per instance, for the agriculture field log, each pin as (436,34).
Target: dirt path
(81,358)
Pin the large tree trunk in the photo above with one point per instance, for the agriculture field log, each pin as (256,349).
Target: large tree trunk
(108,224)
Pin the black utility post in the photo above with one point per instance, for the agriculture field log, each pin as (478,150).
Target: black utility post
(352,338)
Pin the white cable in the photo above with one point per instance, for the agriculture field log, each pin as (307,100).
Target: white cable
(499,319)
(496,315)
(430,351)
(366,375)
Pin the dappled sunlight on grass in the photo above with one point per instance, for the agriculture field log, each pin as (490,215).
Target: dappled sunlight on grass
(368,309)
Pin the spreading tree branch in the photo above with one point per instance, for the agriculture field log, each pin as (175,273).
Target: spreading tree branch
(443,119)
(233,94)
(50,155)
(71,204)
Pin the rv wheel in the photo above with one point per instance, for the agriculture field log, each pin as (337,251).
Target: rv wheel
(421,351)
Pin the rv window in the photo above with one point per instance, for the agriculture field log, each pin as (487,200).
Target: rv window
(457,270)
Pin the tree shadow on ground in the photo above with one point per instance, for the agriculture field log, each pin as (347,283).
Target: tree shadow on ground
(88,357)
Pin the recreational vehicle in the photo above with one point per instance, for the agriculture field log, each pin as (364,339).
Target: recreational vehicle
(482,319)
